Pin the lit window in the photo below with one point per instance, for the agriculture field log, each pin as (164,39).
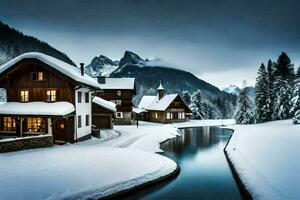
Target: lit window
(24,94)
(119,115)
(156,115)
(79,94)
(87,120)
(60,124)
(79,121)
(35,124)
(183,115)
(51,95)
(119,93)
(40,76)
(87,97)
(9,124)
(37,76)
(169,115)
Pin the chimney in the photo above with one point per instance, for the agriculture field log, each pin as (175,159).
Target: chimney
(101,79)
(82,68)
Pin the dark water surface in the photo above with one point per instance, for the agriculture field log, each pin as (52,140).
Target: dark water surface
(204,174)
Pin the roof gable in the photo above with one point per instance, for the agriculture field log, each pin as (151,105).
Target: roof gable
(68,70)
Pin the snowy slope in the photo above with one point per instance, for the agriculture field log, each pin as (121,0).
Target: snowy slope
(266,157)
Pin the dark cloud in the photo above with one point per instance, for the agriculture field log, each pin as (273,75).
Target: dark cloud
(200,36)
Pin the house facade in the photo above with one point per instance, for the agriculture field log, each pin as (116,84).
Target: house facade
(119,91)
(46,96)
(163,108)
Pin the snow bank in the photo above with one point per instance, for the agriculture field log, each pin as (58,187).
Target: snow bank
(77,172)
(207,122)
(266,157)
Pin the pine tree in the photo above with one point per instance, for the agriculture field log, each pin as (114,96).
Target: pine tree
(261,95)
(245,112)
(186,97)
(197,106)
(211,111)
(298,73)
(282,105)
(271,90)
(284,68)
(295,110)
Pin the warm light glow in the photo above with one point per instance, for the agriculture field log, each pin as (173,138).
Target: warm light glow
(51,95)
(40,76)
(24,95)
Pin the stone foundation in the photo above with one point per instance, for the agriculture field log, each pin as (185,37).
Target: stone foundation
(31,142)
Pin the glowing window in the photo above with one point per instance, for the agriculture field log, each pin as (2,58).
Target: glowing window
(24,94)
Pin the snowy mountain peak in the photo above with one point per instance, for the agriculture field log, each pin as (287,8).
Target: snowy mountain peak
(101,65)
(131,58)
(233,89)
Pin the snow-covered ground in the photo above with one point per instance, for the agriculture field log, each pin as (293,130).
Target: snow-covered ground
(266,157)
(95,168)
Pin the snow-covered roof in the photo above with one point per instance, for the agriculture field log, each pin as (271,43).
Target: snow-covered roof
(117,83)
(138,110)
(61,108)
(152,102)
(65,68)
(146,101)
(105,104)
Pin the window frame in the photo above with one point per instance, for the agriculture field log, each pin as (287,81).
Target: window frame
(51,95)
(118,102)
(87,120)
(79,97)
(23,97)
(121,115)
(79,121)
(9,124)
(87,97)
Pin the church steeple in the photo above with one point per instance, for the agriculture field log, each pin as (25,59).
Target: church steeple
(160,91)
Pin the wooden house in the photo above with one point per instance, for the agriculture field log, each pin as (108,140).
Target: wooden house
(103,113)
(46,96)
(119,91)
(163,108)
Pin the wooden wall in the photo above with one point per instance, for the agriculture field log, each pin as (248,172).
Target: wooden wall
(20,78)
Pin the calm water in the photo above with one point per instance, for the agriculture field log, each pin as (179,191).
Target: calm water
(204,173)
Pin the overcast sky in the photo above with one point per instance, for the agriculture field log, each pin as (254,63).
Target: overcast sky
(220,41)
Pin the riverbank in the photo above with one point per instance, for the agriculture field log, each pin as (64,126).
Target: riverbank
(91,169)
(265,158)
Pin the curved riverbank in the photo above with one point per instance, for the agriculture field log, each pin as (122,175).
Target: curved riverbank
(245,193)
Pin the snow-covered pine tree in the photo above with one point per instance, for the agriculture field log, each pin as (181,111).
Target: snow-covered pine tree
(197,105)
(295,110)
(211,111)
(271,90)
(282,104)
(186,97)
(245,111)
(261,94)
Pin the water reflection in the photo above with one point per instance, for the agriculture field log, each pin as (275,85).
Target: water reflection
(204,169)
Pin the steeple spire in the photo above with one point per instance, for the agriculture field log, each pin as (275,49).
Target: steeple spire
(160,91)
(160,87)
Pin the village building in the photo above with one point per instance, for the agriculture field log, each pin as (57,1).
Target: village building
(103,113)
(119,91)
(46,96)
(163,108)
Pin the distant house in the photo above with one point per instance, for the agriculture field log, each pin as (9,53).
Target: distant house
(163,108)
(46,96)
(103,113)
(119,91)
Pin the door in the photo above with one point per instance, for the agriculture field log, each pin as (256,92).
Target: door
(59,131)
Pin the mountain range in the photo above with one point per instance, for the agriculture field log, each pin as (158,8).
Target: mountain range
(14,43)
(149,73)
